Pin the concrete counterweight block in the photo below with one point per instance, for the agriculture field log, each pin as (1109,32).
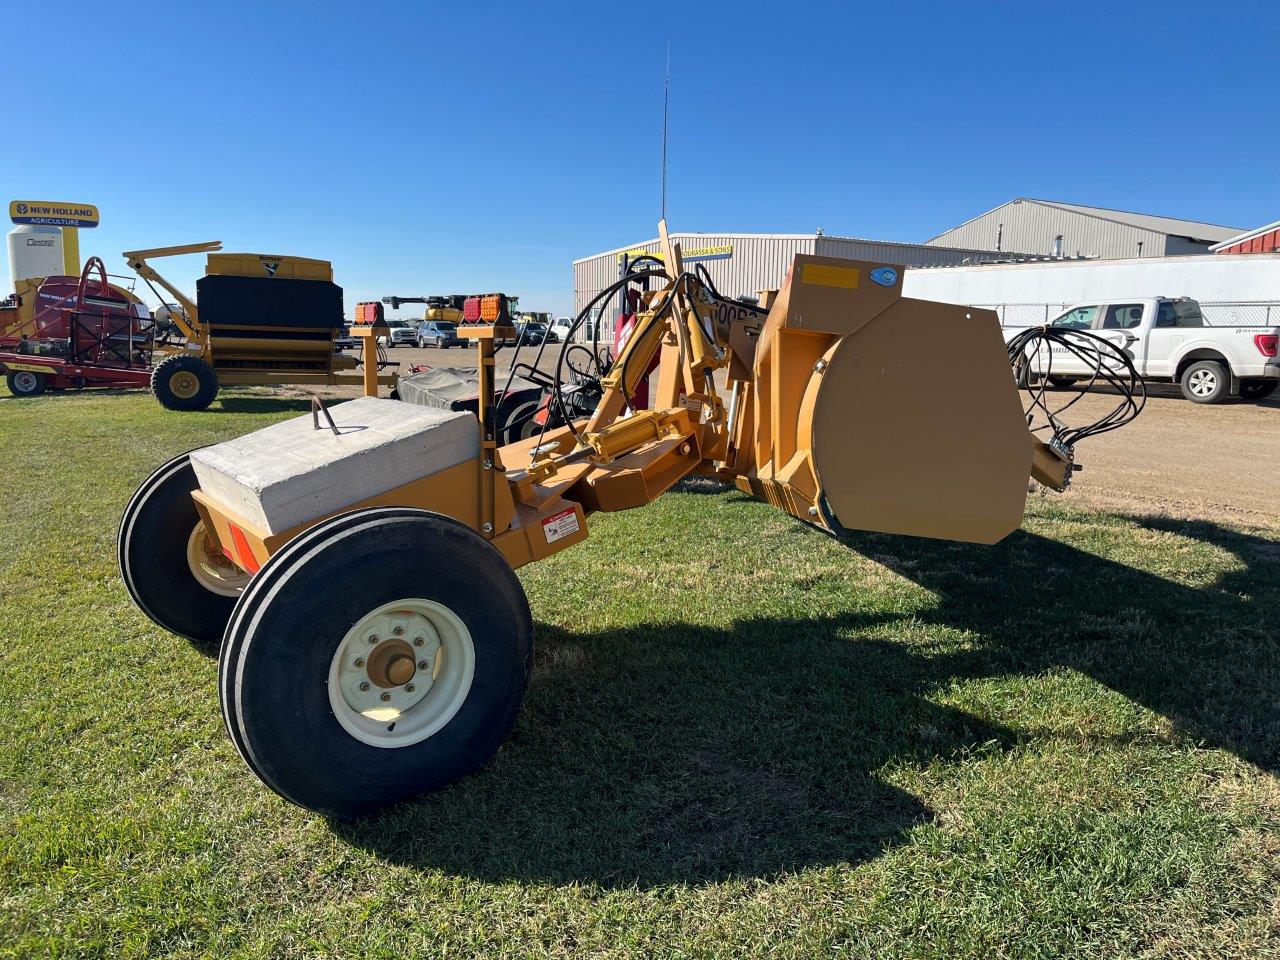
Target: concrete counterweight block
(291,473)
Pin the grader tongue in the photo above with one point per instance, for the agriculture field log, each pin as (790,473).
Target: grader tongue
(375,642)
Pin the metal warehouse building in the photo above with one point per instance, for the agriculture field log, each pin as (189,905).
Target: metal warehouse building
(1047,228)
(742,264)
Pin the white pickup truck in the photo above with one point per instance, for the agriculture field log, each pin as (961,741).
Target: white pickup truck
(1168,341)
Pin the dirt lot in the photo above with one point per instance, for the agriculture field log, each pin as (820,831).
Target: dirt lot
(1184,459)
(1178,458)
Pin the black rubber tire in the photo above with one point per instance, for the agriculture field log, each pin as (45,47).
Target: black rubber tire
(1210,368)
(519,424)
(1062,383)
(275,658)
(151,547)
(26,383)
(1258,389)
(168,368)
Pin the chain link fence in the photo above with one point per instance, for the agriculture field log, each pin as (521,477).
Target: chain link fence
(1217,313)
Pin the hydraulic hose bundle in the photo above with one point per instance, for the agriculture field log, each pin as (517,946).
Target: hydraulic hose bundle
(1031,353)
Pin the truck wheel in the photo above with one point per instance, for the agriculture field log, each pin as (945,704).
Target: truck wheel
(25,383)
(1205,381)
(1257,389)
(1062,383)
(184,382)
(172,571)
(345,701)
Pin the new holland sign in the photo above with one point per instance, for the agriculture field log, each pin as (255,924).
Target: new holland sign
(47,213)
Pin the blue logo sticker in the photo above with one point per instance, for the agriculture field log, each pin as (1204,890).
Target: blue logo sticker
(885,276)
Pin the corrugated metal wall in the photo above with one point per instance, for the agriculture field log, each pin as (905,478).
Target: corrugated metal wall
(1268,242)
(1031,227)
(753,263)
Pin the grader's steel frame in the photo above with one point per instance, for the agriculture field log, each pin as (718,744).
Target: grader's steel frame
(411,673)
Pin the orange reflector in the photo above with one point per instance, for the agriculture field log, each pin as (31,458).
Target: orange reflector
(244,555)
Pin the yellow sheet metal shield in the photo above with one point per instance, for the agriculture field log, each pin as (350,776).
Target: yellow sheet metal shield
(895,455)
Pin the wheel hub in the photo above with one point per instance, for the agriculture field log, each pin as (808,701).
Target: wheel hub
(211,568)
(184,384)
(391,664)
(401,672)
(1203,382)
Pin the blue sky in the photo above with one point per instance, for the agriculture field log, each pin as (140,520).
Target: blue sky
(438,148)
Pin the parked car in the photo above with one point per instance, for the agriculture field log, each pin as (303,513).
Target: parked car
(439,333)
(343,340)
(399,334)
(1168,342)
(534,333)
(561,328)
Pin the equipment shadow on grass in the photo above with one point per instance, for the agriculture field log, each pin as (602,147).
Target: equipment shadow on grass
(251,404)
(677,753)
(1206,658)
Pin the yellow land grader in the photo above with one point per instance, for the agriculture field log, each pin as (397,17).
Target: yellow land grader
(261,319)
(358,571)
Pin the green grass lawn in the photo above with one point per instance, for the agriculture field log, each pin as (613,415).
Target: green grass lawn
(742,738)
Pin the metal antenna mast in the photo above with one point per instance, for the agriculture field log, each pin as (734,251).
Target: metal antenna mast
(666,100)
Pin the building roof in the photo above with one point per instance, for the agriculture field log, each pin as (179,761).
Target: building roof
(1247,235)
(779,236)
(1194,229)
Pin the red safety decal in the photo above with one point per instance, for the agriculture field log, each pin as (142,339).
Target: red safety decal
(560,525)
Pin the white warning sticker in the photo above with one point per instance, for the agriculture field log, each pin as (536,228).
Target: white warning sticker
(560,525)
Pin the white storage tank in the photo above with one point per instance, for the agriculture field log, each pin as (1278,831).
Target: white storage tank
(34,251)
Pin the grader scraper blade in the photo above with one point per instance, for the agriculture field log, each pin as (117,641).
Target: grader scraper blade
(885,413)
(899,449)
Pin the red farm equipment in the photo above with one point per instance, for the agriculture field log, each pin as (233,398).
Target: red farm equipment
(76,334)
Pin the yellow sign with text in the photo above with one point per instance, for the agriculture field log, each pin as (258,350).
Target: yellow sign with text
(722,252)
(49,213)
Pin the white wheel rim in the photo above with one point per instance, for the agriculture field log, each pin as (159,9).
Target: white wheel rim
(212,571)
(369,703)
(25,381)
(1203,383)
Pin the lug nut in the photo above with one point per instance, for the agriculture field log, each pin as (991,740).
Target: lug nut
(364,687)
(409,688)
(398,631)
(423,664)
(359,661)
(419,641)
(386,697)
(373,638)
